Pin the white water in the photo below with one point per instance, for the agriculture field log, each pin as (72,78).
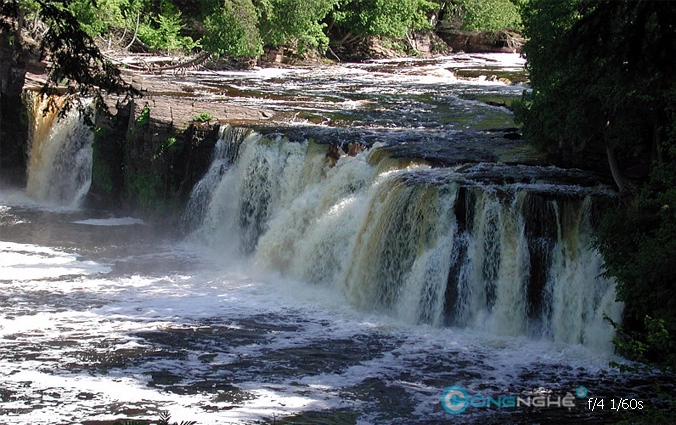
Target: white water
(60,154)
(121,221)
(384,233)
(225,151)
(79,342)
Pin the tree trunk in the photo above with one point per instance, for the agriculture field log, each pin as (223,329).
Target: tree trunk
(19,27)
(345,38)
(624,185)
(657,142)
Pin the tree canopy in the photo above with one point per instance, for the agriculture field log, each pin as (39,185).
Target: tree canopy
(76,61)
(232,30)
(240,28)
(490,15)
(392,18)
(601,73)
(602,78)
(294,22)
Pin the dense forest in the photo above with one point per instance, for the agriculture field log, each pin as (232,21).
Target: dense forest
(602,88)
(241,28)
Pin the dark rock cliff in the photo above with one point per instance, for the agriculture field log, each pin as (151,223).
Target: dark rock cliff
(13,123)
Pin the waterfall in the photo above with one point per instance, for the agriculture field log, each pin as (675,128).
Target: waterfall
(441,246)
(60,152)
(225,152)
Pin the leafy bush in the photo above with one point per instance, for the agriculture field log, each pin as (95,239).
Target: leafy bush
(203,117)
(160,29)
(638,245)
(143,119)
(489,15)
(164,419)
(74,55)
(93,21)
(295,23)
(232,30)
(163,32)
(392,18)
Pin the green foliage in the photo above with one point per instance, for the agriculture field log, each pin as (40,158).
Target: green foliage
(394,44)
(240,28)
(642,346)
(144,189)
(232,30)
(93,21)
(30,6)
(143,119)
(638,245)
(165,148)
(203,117)
(160,29)
(76,62)
(75,57)
(649,415)
(101,172)
(164,419)
(599,72)
(392,18)
(545,112)
(489,15)
(295,23)
(163,32)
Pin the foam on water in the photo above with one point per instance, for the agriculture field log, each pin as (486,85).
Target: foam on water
(83,320)
(24,262)
(388,94)
(119,221)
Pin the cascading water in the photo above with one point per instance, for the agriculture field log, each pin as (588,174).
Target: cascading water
(225,152)
(60,153)
(441,246)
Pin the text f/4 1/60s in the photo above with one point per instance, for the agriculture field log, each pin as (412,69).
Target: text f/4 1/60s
(599,403)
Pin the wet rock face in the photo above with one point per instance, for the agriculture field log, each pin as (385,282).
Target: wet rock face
(150,152)
(13,132)
(143,162)
(476,42)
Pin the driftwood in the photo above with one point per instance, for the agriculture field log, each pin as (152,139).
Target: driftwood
(191,63)
(146,63)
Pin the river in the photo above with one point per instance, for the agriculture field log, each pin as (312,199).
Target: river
(352,290)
